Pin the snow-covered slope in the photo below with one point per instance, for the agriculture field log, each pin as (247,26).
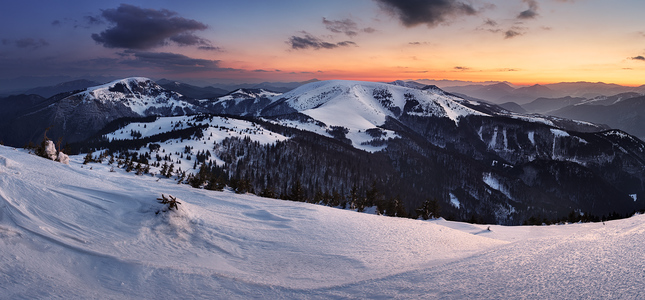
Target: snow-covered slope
(78,232)
(216,129)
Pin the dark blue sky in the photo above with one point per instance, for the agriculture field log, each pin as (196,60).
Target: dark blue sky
(521,41)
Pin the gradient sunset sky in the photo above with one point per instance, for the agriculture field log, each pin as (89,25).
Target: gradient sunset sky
(520,41)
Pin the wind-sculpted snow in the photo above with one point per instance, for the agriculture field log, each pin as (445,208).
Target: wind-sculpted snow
(80,231)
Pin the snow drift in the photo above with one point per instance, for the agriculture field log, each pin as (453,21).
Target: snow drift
(89,233)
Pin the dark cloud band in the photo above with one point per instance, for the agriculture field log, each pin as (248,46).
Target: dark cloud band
(140,29)
(429,12)
(171,62)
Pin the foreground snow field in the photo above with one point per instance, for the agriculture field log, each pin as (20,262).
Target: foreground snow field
(68,231)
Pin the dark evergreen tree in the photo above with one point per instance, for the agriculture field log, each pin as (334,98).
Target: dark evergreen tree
(429,209)
(297,192)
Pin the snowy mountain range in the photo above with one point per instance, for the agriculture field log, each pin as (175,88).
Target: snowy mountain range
(502,92)
(95,227)
(411,142)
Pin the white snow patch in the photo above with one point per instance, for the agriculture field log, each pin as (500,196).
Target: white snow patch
(559,133)
(493,183)
(454,201)
(493,140)
(531,136)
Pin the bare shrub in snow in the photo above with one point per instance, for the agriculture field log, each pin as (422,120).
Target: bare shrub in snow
(170,202)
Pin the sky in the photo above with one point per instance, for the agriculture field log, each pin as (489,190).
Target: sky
(203,42)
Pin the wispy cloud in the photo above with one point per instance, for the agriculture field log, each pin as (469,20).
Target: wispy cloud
(345,26)
(26,43)
(308,41)
(509,34)
(86,22)
(490,22)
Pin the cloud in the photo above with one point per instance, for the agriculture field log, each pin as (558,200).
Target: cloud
(490,22)
(490,25)
(141,29)
(530,13)
(430,12)
(172,62)
(309,41)
(85,22)
(93,21)
(189,39)
(209,48)
(640,57)
(458,68)
(26,43)
(509,34)
(368,30)
(347,26)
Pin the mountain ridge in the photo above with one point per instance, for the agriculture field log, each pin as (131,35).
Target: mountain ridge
(499,165)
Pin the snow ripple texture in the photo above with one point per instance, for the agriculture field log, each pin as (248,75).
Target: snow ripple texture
(75,232)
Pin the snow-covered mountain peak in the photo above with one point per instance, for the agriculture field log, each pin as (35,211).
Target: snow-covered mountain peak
(142,95)
(340,100)
(245,94)
(132,87)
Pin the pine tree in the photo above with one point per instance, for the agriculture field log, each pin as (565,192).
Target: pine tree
(297,193)
(268,192)
(429,209)
(319,197)
(88,158)
(355,200)
(170,170)
(216,183)
(372,196)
